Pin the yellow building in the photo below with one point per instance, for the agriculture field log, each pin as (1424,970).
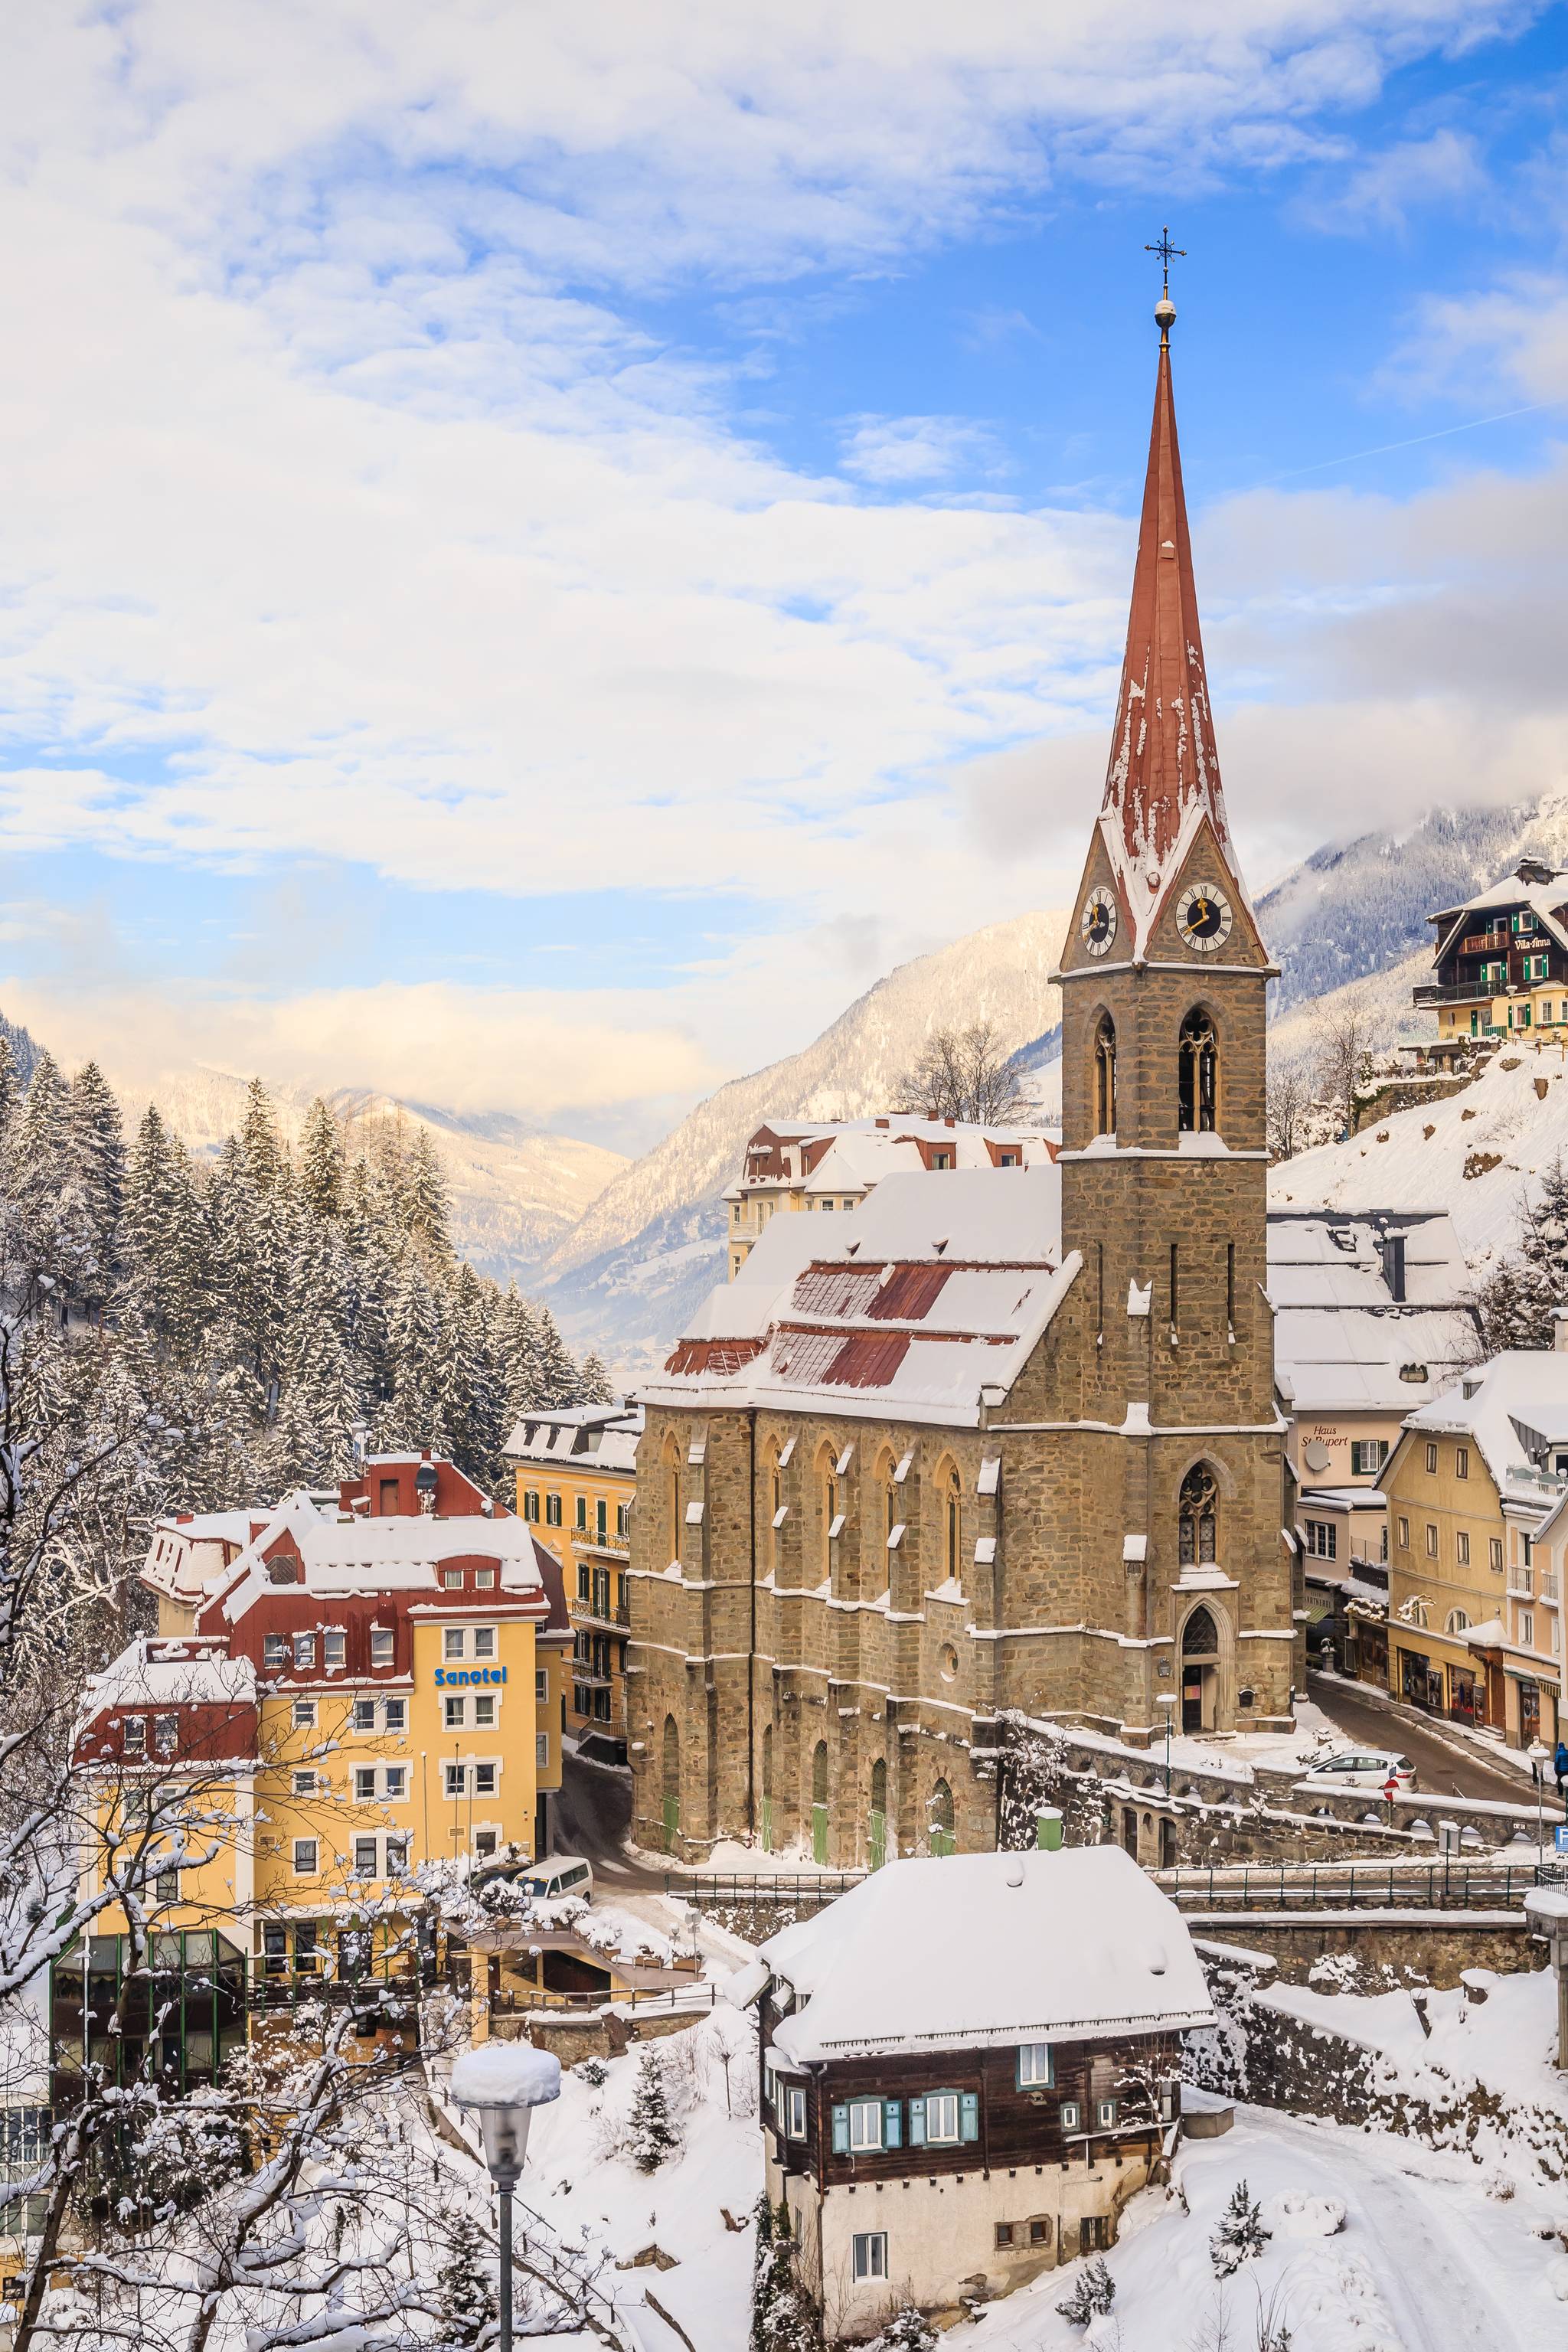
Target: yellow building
(359,1693)
(577,1479)
(1500,962)
(1474,1474)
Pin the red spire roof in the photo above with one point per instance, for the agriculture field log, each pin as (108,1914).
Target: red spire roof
(1163,776)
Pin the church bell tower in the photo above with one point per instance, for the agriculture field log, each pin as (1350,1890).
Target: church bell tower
(1164,1162)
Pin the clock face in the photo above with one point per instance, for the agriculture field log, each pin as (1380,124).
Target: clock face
(1203,918)
(1097,924)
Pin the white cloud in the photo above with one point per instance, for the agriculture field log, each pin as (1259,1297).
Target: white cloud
(1382,190)
(533,1052)
(325,479)
(897,450)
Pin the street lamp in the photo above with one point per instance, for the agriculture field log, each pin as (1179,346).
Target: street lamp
(1540,1757)
(1167,1700)
(500,2084)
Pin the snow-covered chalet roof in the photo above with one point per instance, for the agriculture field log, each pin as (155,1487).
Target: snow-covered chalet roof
(1342,1342)
(189,1550)
(852,1155)
(1513,1408)
(979,1950)
(160,1671)
(1545,899)
(937,1288)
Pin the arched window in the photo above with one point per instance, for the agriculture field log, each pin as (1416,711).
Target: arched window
(952,1524)
(941,1837)
(767,1788)
(1199,1637)
(774,1492)
(829,1510)
(672,1495)
(1198,1078)
(819,1801)
(878,1822)
(1458,1621)
(1199,1499)
(1105,1076)
(671,1783)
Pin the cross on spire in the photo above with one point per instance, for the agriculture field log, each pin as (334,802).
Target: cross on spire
(1167,253)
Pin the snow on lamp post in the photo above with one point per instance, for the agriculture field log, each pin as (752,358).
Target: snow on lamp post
(1540,1757)
(1167,1700)
(500,2084)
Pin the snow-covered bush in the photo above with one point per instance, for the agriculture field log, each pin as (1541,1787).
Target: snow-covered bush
(652,2135)
(1241,2235)
(1093,2293)
(594,2072)
(909,2330)
(467,2303)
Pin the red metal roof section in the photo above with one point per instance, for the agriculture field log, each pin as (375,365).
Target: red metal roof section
(836,1290)
(693,1356)
(1163,755)
(909,1294)
(866,1360)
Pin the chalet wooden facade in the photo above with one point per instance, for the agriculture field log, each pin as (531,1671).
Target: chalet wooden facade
(968,2065)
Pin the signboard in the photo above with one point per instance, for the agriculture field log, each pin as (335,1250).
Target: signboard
(449,1677)
(1560,1840)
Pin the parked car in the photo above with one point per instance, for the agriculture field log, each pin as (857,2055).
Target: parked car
(558,1876)
(1362,1768)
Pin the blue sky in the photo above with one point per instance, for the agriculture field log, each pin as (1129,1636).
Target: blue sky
(558,551)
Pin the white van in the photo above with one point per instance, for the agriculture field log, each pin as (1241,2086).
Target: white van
(558,1877)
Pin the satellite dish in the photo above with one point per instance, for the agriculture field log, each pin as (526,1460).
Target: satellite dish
(1316,1454)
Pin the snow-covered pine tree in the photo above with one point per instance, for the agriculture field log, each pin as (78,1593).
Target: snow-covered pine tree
(98,1149)
(909,2330)
(783,2317)
(427,1209)
(320,1398)
(1093,2293)
(320,1162)
(558,1377)
(162,1238)
(1241,2235)
(593,1385)
(518,1356)
(413,1338)
(652,2134)
(10,1085)
(37,1171)
(467,2309)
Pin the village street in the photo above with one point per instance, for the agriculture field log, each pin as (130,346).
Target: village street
(1445,1762)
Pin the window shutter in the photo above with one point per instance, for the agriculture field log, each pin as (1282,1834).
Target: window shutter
(841,2131)
(969,2115)
(917,2122)
(892,2123)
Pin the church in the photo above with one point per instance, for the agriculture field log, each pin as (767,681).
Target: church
(1007,1437)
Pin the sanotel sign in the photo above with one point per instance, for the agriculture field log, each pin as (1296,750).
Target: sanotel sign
(451,1677)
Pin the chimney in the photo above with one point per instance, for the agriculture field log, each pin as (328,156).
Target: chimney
(1391,1251)
(1560,1329)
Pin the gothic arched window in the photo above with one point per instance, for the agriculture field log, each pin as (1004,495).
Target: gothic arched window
(1199,1637)
(829,1510)
(1199,1499)
(940,1836)
(1105,1076)
(1198,1076)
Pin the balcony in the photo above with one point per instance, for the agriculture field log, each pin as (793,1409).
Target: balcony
(613,1612)
(617,1547)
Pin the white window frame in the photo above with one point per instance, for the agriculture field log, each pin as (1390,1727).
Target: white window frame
(867,2117)
(396,1789)
(364,1846)
(1071,2115)
(1035,2071)
(304,1784)
(304,1653)
(482,1788)
(868,2255)
(311,1868)
(274,1650)
(541,1684)
(453,1781)
(540,1751)
(454,1712)
(943,2100)
(364,1715)
(795,2110)
(1105,2115)
(304,1715)
(401,1721)
(364,1784)
(484,1648)
(383,1645)
(484,1710)
(397,1847)
(334,1647)
(453,1638)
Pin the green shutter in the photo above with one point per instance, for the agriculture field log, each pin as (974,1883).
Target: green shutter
(892,2123)
(969,2115)
(841,2131)
(917,2122)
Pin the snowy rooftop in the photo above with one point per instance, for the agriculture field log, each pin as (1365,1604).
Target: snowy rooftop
(983,1950)
(373,1554)
(1513,1407)
(596,1436)
(934,1290)
(189,1550)
(1545,899)
(152,1673)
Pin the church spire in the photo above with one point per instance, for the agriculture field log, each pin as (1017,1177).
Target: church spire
(1164,777)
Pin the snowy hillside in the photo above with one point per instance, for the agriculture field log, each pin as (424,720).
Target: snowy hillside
(1472,1155)
(652,1245)
(514,1192)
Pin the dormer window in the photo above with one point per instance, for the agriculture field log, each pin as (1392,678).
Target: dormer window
(135,1735)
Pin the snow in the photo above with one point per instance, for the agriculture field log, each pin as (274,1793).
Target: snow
(1520,1387)
(350,1555)
(1399,1164)
(986,1949)
(505,2075)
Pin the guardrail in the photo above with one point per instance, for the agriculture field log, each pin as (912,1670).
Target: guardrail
(1447,1885)
(670,2000)
(710,1888)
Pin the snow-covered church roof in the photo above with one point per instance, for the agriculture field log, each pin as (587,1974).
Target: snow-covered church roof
(936,1289)
(980,1950)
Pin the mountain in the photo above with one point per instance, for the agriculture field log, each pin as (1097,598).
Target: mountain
(651,1245)
(515,1191)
